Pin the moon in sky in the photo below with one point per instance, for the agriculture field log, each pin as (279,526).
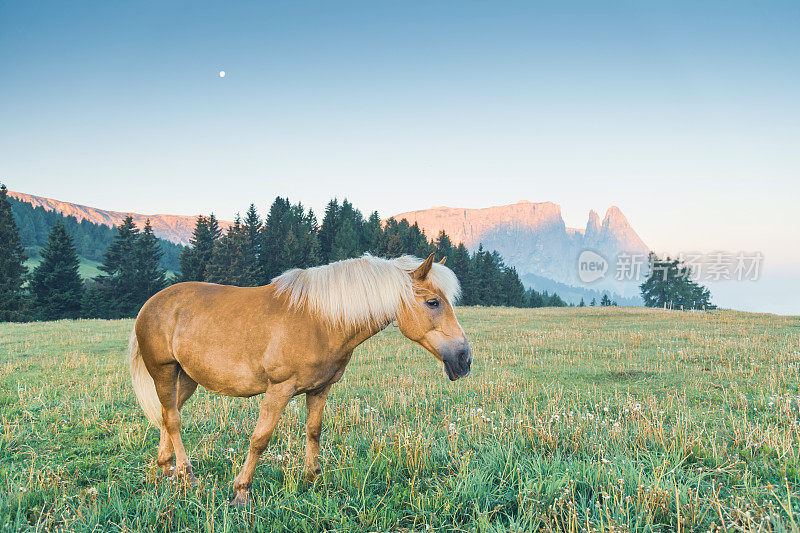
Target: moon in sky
(221,73)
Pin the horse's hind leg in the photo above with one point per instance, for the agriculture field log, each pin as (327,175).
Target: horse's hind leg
(186,387)
(165,457)
(315,405)
(167,379)
(272,405)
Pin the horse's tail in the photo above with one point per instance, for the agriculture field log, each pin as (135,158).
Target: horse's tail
(143,384)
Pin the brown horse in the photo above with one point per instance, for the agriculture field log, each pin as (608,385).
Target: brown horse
(293,336)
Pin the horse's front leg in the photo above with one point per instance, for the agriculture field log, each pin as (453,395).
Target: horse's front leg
(315,404)
(272,405)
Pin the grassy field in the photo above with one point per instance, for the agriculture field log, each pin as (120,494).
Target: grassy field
(88,269)
(573,419)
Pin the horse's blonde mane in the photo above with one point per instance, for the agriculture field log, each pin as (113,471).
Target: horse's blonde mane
(366,290)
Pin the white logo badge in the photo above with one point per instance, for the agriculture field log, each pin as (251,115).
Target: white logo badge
(591,266)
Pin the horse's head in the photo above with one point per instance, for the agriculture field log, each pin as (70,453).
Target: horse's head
(429,320)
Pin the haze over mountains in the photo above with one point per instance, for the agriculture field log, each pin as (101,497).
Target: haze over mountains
(532,237)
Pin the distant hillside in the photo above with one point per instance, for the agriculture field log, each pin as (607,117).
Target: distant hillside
(91,239)
(87,269)
(533,238)
(573,295)
(174,228)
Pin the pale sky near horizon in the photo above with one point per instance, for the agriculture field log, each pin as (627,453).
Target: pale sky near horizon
(685,115)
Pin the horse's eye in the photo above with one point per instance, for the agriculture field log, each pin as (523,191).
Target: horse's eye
(433,302)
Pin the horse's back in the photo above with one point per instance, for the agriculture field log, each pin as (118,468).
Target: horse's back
(195,300)
(204,326)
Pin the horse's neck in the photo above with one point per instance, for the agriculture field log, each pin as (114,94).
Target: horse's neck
(350,338)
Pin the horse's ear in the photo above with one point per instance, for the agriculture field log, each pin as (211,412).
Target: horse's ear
(422,271)
(443,261)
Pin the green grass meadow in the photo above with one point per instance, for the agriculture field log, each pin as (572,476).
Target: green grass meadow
(87,269)
(574,419)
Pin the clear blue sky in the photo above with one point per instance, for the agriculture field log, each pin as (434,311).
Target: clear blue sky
(685,114)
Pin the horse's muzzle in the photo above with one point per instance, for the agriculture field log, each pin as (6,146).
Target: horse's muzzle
(458,363)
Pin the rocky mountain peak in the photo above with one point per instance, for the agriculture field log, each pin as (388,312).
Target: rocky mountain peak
(533,238)
(593,225)
(614,218)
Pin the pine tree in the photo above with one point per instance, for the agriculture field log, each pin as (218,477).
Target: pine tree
(195,259)
(488,277)
(463,267)
(150,277)
(414,240)
(213,227)
(356,220)
(345,244)
(536,299)
(582,304)
(56,285)
(93,305)
(331,222)
(309,235)
(444,246)
(394,248)
(511,288)
(593,302)
(299,247)
(227,264)
(273,240)
(293,249)
(669,285)
(116,293)
(605,301)
(12,264)
(252,233)
(374,237)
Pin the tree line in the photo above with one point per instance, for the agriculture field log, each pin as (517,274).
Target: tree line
(254,251)
(54,290)
(91,240)
(250,253)
(670,285)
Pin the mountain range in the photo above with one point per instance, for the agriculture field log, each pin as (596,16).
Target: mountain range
(532,237)
(175,228)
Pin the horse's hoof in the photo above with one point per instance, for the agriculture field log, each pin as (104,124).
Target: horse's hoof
(241,500)
(186,476)
(312,475)
(167,472)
